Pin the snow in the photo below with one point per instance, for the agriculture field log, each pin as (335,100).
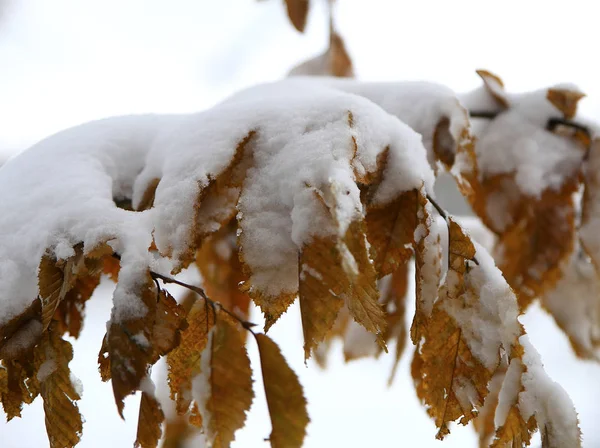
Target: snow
(201,386)
(46,369)
(516,141)
(74,71)
(487,311)
(421,105)
(547,400)
(304,142)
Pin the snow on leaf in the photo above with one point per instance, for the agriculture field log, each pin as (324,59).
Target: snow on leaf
(135,344)
(184,360)
(565,100)
(63,421)
(285,399)
(149,422)
(575,304)
(223,388)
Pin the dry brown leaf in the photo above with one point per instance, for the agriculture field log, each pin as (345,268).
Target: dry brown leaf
(390,230)
(297,11)
(63,421)
(394,302)
(136,344)
(29,322)
(532,251)
(363,298)
(340,63)
(177,432)
(149,422)
(285,399)
(70,311)
(229,380)
(565,101)
(495,86)
(222,271)
(443,366)
(14,382)
(184,360)
(590,208)
(516,432)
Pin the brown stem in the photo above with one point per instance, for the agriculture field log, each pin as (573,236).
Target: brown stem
(155,275)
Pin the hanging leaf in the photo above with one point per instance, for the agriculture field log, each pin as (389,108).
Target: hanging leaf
(223,388)
(297,11)
(286,402)
(184,361)
(63,421)
(149,422)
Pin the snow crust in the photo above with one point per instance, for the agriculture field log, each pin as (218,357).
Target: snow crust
(60,192)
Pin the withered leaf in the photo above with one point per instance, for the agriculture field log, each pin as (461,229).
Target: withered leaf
(149,422)
(63,421)
(297,12)
(286,402)
(565,101)
(362,299)
(222,271)
(184,360)
(444,367)
(136,344)
(229,380)
(390,230)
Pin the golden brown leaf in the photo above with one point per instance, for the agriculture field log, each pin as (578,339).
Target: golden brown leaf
(390,230)
(394,302)
(184,360)
(149,422)
(297,11)
(322,281)
(495,86)
(63,421)
(533,249)
(339,59)
(286,402)
(362,299)
(134,345)
(229,382)
(484,422)
(70,311)
(444,368)
(565,101)
(177,432)
(222,271)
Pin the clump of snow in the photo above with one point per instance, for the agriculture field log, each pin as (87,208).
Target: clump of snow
(77,384)
(421,105)
(516,141)
(548,401)
(307,137)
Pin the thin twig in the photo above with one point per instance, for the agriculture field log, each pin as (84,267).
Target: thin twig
(437,206)
(444,215)
(488,115)
(155,275)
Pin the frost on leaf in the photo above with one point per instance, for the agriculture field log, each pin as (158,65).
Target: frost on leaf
(223,388)
(285,399)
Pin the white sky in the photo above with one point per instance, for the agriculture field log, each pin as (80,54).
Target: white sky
(64,62)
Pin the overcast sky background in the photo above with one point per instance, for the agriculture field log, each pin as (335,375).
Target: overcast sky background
(65,62)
